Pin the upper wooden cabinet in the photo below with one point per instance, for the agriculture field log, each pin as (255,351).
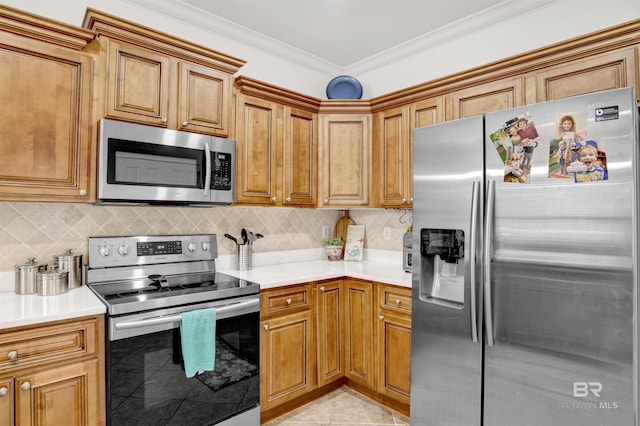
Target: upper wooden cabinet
(606,71)
(393,149)
(481,99)
(344,158)
(153,78)
(277,135)
(45,138)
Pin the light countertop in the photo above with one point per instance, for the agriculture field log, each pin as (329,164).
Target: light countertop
(269,271)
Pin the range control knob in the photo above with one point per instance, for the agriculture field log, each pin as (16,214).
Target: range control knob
(123,250)
(206,245)
(191,247)
(104,250)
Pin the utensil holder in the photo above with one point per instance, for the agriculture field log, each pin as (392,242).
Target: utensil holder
(245,253)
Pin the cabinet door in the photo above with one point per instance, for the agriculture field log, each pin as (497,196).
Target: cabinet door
(330,331)
(138,84)
(203,96)
(392,157)
(344,157)
(359,334)
(299,158)
(256,133)
(394,356)
(287,359)
(601,72)
(66,395)
(45,146)
(494,96)
(6,401)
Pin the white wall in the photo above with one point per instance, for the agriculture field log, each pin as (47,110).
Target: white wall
(558,21)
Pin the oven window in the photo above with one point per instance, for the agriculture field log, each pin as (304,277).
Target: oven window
(137,163)
(147,383)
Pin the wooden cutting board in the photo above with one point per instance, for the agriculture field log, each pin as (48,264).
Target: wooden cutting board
(342,225)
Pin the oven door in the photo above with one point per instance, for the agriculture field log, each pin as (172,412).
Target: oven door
(146,382)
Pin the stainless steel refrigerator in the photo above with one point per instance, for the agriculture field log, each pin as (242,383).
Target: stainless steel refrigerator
(525,273)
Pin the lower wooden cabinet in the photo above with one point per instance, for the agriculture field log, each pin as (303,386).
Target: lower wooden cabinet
(329,330)
(53,374)
(359,308)
(287,349)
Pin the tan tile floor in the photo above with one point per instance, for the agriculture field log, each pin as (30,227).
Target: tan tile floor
(344,407)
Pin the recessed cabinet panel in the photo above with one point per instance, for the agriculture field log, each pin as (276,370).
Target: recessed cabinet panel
(299,157)
(330,331)
(204,99)
(481,99)
(44,124)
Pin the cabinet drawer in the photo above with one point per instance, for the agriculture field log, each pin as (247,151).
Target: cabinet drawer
(396,298)
(286,300)
(48,343)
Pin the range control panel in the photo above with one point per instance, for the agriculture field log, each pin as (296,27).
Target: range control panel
(105,252)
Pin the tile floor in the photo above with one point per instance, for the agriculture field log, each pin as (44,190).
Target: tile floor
(344,407)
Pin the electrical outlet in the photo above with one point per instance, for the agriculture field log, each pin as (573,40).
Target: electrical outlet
(325,231)
(387,233)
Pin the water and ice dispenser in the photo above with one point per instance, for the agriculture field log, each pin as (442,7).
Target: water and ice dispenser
(442,263)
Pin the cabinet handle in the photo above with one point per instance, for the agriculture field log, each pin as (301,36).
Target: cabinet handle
(83,192)
(13,355)
(404,201)
(266,327)
(25,386)
(380,317)
(288,199)
(322,289)
(398,302)
(326,200)
(4,391)
(411,199)
(288,301)
(185,123)
(274,199)
(164,119)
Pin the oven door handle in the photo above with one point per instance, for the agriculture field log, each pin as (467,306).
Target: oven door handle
(226,309)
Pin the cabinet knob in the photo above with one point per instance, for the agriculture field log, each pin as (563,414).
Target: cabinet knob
(380,317)
(83,192)
(411,199)
(289,301)
(13,355)
(25,386)
(288,199)
(322,289)
(326,200)
(266,327)
(164,119)
(4,391)
(398,302)
(404,201)
(185,123)
(274,199)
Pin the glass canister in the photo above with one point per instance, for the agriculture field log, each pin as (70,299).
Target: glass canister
(68,261)
(26,275)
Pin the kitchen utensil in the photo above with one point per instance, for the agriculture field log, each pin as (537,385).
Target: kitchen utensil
(26,276)
(68,261)
(232,238)
(52,282)
(244,235)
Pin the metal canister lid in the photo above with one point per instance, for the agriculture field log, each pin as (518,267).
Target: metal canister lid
(31,263)
(54,272)
(67,255)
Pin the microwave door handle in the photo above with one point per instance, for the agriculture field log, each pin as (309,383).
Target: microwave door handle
(207,174)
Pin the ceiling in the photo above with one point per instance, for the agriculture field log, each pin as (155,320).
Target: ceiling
(343,33)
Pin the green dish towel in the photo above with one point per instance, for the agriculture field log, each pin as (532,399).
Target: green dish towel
(198,340)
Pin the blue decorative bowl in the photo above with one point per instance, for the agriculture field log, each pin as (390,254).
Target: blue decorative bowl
(344,87)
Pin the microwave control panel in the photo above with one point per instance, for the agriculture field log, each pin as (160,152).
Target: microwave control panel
(221,173)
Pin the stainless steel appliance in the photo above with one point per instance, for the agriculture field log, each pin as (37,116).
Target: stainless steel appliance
(525,271)
(146,282)
(407,251)
(146,164)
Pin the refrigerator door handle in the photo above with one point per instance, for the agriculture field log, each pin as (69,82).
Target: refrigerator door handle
(487,254)
(475,195)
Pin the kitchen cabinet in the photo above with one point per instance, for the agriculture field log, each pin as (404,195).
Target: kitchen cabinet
(394,343)
(605,71)
(329,330)
(287,345)
(53,374)
(344,158)
(488,97)
(152,78)
(393,149)
(359,334)
(45,116)
(277,146)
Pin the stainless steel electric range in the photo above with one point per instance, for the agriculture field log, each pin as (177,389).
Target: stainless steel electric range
(146,282)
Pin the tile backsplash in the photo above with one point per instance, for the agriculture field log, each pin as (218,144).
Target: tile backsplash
(43,230)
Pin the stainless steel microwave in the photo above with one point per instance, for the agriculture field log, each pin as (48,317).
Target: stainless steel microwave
(150,165)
